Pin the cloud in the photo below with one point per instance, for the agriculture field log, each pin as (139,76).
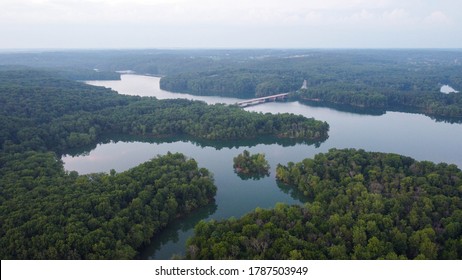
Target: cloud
(438,17)
(363,15)
(396,15)
(399,17)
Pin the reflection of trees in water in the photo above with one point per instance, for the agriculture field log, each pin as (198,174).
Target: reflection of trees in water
(295,193)
(378,111)
(170,233)
(217,144)
(248,166)
(344,107)
(252,176)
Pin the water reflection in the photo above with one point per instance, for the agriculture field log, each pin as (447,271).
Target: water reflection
(216,144)
(235,197)
(345,108)
(172,239)
(254,176)
(377,111)
(295,193)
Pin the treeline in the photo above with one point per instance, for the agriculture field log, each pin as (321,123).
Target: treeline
(407,97)
(154,62)
(364,205)
(47,213)
(72,73)
(233,83)
(213,122)
(42,96)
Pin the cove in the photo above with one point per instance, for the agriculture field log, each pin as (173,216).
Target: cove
(412,135)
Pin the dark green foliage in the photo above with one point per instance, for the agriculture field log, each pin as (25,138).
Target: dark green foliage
(251,166)
(42,95)
(47,213)
(363,205)
(235,83)
(42,112)
(214,122)
(403,80)
(387,80)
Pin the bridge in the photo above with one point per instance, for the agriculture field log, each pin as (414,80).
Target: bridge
(256,101)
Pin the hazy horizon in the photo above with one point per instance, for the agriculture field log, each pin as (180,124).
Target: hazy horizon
(84,49)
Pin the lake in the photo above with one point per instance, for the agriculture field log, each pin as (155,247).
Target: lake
(447,89)
(412,135)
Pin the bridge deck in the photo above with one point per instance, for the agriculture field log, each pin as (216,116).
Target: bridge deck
(259,100)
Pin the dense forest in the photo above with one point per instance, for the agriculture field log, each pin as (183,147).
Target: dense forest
(363,205)
(49,213)
(388,80)
(240,83)
(401,80)
(42,112)
(249,166)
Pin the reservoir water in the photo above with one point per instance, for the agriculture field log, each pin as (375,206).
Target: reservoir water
(446,89)
(413,135)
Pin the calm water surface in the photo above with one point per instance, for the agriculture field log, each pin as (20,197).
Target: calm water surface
(149,86)
(447,89)
(409,134)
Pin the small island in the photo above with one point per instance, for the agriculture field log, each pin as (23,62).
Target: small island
(249,166)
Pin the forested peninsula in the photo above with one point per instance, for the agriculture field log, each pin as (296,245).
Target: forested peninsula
(43,112)
(49,213)
(363,205)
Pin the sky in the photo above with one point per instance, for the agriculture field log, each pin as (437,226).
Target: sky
(120,24)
